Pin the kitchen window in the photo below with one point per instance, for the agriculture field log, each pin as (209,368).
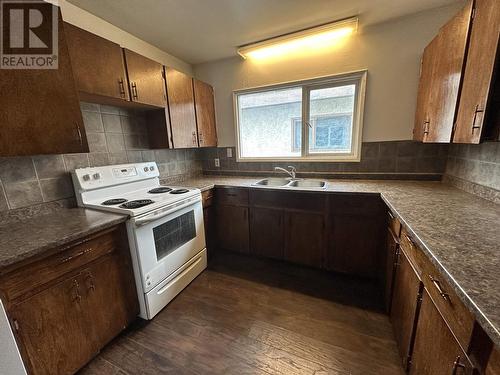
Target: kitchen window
(317,120)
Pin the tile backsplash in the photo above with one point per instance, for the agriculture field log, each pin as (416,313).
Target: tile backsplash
(115,136)
(392,159)
(475,168)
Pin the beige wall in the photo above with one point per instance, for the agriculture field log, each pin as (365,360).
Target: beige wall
(96,25)
(391,52)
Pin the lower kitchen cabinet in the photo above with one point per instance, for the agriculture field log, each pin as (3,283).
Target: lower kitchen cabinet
(305,238)
(232,228)
(356,232)
(52,328)
(391,256)
(267,232)
(77,300)
(436,350)
(405,306)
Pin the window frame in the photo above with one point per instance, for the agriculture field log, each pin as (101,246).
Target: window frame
(357,78)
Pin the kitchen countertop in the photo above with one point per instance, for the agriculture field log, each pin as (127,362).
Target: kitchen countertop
(458,231)
(28,238)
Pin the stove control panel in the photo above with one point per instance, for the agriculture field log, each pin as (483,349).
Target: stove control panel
(98,177)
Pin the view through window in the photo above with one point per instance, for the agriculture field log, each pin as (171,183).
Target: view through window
(270,120)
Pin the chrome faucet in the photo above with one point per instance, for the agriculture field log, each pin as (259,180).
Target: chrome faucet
(292,172)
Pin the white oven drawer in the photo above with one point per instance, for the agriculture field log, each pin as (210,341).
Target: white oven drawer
(164,292)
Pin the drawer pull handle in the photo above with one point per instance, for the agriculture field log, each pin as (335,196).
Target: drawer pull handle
(71,257)
(391,216)
(440,290)
(457,365)
(232,195)
(410,240)
(76,292)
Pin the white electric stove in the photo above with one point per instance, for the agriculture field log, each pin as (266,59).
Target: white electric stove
(165,227)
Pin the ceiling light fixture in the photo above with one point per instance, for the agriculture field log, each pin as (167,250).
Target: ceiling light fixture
(308,40)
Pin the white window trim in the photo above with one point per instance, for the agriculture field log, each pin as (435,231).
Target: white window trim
(357,77)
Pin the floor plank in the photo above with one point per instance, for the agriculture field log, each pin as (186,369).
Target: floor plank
(254,316)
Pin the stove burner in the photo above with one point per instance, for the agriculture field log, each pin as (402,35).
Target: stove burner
(179,191)
(112,202)
(160,190)
(136,204)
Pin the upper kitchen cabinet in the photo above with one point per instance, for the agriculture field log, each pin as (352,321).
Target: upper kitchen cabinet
(476,118)
(98,65)
(146,79)
(39,108)
(441,73)
(205,113)
(182,110)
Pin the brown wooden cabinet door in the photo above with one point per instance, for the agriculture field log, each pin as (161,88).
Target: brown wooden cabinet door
(479,70)
(146,79)
(305,238)
(392,254)
(405,306)
(98,64)
(356,234)
(39,109)
(446,76)
(267,232)
(109,289)
(53,331)
(205,113)
(355,246)
(232,228)
(181,107)
(420,129)
(436,350)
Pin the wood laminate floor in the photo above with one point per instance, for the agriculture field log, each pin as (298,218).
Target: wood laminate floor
(251,316)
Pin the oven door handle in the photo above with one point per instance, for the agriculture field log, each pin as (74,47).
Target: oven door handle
(164,212)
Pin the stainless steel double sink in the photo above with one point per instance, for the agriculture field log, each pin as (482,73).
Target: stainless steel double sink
(287,183)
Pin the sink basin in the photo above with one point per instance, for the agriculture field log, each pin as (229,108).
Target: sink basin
(273,182)
(308,184)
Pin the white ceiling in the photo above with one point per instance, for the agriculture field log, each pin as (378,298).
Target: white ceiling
(204,30)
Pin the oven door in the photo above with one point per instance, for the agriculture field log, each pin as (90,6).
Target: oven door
(165,244)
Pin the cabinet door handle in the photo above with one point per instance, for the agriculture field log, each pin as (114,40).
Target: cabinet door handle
(426,126)
(474,126)
(440,290)
(194,138)
(133,85)
(79,133)
(457,365)
(89,280)
(200,137)
(76,288)
(121,87)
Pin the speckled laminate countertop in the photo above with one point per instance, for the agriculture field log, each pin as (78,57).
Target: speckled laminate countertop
(28,238)
(458,231)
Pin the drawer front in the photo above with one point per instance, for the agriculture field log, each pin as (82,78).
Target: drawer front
(394,224)
(301,201)
(356,204)
(456,314)
(232,196)
(207,198)
(413,252)
(32,276)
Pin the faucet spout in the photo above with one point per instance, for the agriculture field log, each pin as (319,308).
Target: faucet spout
(292,172)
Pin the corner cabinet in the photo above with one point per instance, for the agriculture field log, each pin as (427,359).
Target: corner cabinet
(64,308)
(478,115)
(459,89)
(181,108)
(40,109)
(205,113)
(440,79)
